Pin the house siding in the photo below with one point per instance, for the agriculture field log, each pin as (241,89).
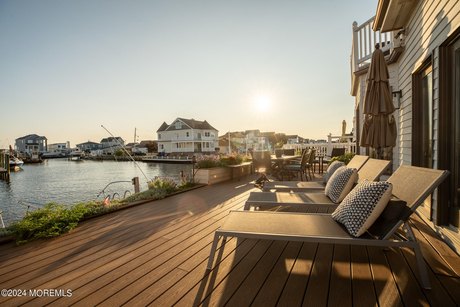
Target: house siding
(430,25)
(187,136)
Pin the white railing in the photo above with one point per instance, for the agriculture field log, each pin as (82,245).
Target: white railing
(325,149)
(364,41)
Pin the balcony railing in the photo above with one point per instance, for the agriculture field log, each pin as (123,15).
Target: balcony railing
(364,41)
(326,148)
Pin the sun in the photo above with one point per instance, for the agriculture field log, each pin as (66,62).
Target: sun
(262,103)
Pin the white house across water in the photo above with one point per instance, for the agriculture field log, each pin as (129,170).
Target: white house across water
(187,136)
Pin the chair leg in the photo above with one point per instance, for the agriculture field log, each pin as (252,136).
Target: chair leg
(422,266)
(213,251)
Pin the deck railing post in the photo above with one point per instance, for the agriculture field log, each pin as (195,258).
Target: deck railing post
(355,47)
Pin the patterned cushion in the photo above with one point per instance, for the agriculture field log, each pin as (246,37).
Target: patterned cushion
(331,169)
(362,206)
(340,183)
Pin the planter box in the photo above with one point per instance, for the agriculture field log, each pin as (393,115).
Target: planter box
(219,174)
(213,175)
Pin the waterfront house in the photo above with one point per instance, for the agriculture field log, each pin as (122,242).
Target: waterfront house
(422,49)
(255,140)
(152,146)
(295,139)
(59,147)
(89,146)
(57,150)
(31,144)
(112,141)
(187,136)
(237,139)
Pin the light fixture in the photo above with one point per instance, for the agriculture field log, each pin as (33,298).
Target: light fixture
(397,98)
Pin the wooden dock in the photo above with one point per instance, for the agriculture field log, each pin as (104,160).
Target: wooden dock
(156,253)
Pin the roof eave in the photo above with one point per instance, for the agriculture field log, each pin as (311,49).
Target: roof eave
(393,15)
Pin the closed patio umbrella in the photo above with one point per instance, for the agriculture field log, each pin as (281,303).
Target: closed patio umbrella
(379,128)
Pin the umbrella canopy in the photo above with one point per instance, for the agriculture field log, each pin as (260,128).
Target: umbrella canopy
(379,131)
(379,128)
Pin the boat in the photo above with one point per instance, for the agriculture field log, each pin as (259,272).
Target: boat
(15,162)
(76,155)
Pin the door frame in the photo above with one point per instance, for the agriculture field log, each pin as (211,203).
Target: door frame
(446,120)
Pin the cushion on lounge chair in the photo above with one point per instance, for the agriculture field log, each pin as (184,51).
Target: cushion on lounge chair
(340,183)
(396,210)
(363,205)
(331,169)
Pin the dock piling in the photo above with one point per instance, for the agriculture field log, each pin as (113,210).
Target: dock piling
(4,166)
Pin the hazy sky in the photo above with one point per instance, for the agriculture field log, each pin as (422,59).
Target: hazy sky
(68,67)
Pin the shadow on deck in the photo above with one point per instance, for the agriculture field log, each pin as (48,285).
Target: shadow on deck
(156,254)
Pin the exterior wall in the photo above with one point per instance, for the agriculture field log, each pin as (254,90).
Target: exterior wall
(31,144)
(429,27)
(187,140)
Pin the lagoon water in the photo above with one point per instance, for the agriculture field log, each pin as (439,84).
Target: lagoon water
(69,182)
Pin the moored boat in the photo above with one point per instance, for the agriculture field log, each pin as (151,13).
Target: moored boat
(15,162)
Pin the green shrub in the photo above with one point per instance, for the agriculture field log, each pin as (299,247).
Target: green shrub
(344,158)
(49,221)
(54,219)
(231,160)
(208,161)
(163,184)
(151,194)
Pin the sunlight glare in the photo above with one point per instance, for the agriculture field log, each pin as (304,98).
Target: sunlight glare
(262,103)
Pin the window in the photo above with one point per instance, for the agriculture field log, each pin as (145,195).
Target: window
(422,117)
(422,124)
(207,134)
(178,125)
(187,134)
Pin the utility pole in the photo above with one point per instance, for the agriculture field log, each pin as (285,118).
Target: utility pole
(229,144)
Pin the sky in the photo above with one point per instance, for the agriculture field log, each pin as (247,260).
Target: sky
(67,68)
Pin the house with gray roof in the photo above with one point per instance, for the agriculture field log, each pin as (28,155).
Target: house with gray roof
(31,144)
(187,136)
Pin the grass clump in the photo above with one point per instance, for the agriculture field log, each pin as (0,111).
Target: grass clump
(53,220)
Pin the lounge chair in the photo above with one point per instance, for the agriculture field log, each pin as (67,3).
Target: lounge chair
(301,196)
(410,184)
(371,172)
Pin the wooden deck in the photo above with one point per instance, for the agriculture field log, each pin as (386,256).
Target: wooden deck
(156,254)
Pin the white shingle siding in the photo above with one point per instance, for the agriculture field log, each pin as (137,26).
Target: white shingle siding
(430,25)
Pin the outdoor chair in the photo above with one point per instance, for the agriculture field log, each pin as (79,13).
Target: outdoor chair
(368,169)
(262,164)
(410,185)
(296,168)
(336,152)
(307,196)
(310,163)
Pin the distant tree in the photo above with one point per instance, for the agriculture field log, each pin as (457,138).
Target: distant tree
(152,146)
(119,153)
(280,139)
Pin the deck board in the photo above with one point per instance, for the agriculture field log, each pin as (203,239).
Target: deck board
(156,254)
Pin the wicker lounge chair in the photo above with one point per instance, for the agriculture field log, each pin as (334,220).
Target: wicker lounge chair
(371,172)
(411,185)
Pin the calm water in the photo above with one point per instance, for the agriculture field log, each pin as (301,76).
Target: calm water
(69,182)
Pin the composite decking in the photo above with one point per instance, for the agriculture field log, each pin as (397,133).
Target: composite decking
(156,253)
